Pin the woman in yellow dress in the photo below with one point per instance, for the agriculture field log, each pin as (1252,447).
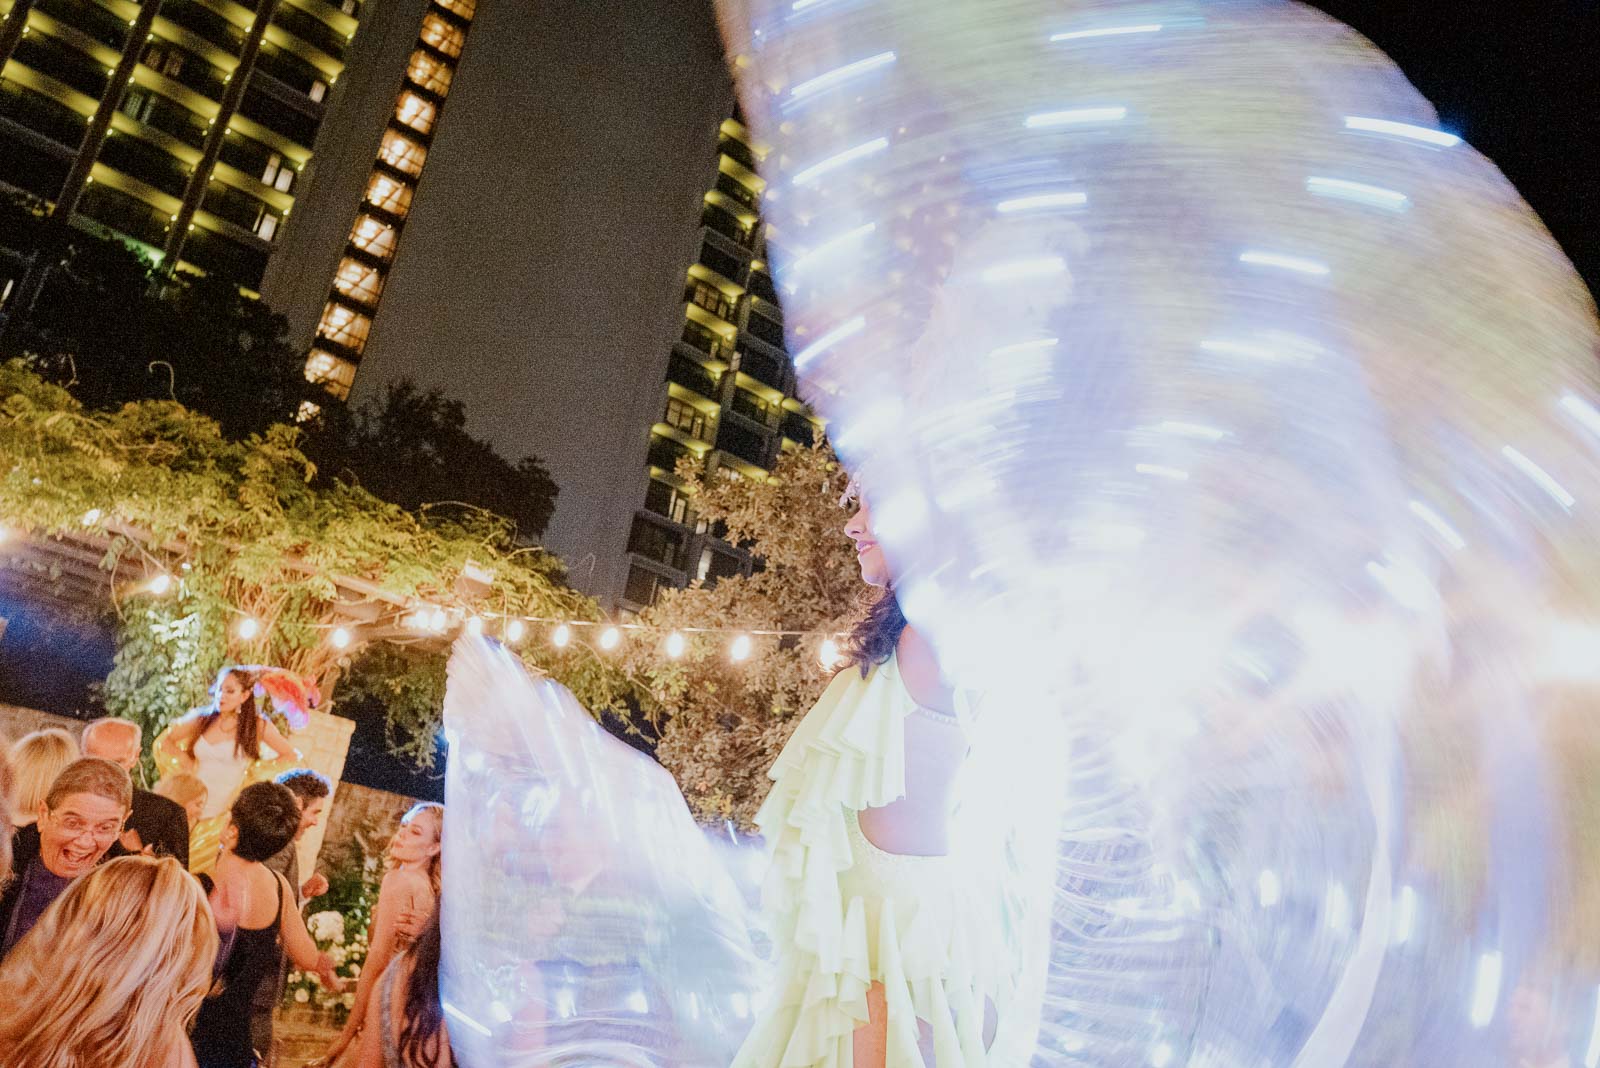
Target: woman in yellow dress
(229,744)
(895,949)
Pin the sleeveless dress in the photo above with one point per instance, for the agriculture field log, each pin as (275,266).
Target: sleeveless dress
(844,914)
(222,1030)
(224,772)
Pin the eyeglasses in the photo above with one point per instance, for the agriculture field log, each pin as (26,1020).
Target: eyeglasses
(77,827)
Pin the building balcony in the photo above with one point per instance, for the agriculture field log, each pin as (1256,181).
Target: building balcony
(312,30)
(63,63)
(705,341)
(748,445)
(146,162)
(204,23)
(693,376)
(798,428)
(726,223)
(87,17)
(42,115)
(764,366)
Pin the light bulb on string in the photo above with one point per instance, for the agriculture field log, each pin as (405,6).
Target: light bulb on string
(740,649)
(610,638)
(159,584)
(561,637)
(828,654)
(417,620)
(248,627)
(92,516)
(675,644)
(475,627)
(340,638)
(5,535)
(515,630)
(437,620)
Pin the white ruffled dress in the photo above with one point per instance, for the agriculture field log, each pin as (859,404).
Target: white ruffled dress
(845,914)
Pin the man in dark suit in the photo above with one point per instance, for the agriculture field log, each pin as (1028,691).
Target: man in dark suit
(155,823)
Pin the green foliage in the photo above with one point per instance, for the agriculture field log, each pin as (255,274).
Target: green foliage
(242,528)
(723,723)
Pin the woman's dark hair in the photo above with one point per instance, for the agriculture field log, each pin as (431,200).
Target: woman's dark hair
(420,1037)
(247,735)
(872,640)
(266,816)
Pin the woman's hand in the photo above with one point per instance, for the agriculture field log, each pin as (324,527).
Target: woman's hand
(325,972)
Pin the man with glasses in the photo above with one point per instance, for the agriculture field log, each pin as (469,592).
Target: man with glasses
(79,822)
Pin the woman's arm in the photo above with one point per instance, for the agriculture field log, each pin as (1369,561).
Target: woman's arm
(371,1055)
(176,743)
(273,739)
(382,943)
(297,941)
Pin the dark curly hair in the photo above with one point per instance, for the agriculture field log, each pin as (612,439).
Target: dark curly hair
(872,640)
(421,1030)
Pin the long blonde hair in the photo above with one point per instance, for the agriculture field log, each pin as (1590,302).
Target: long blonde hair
(113,972)
(36,760)
(435,862)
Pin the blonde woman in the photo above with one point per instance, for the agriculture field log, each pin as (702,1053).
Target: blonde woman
(188,791)
(406,899)
(36,760)
(112,973)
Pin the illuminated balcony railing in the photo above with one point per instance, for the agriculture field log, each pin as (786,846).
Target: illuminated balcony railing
(41,114)
(87,17)
(691,376)
(62,62)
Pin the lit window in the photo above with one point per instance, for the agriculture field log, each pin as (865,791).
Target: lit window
(307,412)
(327,370)
(285,179)
(439,34)
(359,281)
(402,153)
(415,112)
(270,173)
(267,225)
(318,90)
(389,194)
(373,237)
(464,8)
(429,72)
(344,326)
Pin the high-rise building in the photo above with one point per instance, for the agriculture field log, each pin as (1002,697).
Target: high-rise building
(729,400)
(182,126)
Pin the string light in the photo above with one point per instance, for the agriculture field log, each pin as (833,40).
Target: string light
(829,653)
(248,627)
(475,627)
(562,636)
(160,584)
(610,638)
(515,630)
(741,647)
(92,516)
(675,644)
(437,620)
(341,638)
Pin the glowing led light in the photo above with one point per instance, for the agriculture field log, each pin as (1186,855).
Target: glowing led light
(843,159)
(1438,524)
(840,74)
(828,653)
(1190,430)
(1583,412)
(831,245)
(675,644)
(1424,134)
(474,627)
(160,584)
(1041,201)
(1107,31)
(740,650)
(92,516)
(1161,1056)
(1074,117)
(340,638)
(1539,476)
(848,328)
(1030,267)
(437,620)
(515,629)
(1160,471)
(1279,261)
(1358,193)
(561,637)
(1405,916)
(1269,891)
(1591,1057)
(248,627)
(1486,989)
(610,638)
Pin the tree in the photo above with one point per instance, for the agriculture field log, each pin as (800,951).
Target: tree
(412,448)
(113,330)
(723,723)
(243,531)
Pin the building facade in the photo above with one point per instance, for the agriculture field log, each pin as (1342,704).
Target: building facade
(728,404)
(182,126)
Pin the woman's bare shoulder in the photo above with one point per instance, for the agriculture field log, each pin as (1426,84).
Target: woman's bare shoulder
(404,881)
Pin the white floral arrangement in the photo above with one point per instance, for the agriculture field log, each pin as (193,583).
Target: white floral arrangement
(342,935)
